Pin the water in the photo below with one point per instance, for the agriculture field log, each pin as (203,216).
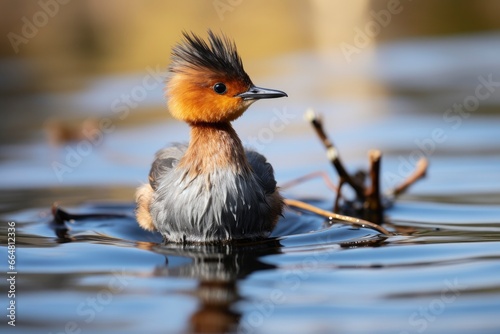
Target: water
(439,273)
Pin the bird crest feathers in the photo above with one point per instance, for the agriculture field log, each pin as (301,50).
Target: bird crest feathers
(219,55)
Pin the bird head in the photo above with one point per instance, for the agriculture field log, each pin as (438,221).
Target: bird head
(207,82)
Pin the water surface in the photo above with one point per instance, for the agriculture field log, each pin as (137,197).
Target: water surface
(438,273)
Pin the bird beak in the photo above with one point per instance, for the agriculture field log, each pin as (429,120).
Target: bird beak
(256,93)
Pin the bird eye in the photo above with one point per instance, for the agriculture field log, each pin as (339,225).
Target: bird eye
(220,88)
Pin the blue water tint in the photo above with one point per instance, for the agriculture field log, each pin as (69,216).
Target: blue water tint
(438,272)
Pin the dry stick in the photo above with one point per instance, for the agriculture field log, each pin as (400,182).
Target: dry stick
(374,202)
(336,204)
(419,173)
(310,176)
(333,155)
(61,215)
(330,215)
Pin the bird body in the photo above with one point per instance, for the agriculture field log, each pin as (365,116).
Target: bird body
(212,189)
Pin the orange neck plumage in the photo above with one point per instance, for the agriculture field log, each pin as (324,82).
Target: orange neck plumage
(214,146)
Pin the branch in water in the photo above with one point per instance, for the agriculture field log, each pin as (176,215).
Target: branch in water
(61,215)
(419,173)
(373,199)
(330,215)
(333,155)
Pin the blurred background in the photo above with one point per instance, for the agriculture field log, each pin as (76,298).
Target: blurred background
(81,90)
(83,112)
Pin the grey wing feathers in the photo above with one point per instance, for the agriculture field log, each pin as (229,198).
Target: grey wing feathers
(165,160)
(263,170)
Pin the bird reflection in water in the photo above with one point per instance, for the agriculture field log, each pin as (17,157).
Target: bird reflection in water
(218,268)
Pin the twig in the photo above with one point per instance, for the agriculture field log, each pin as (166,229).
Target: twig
(330,215)
(61,216)
(373,199)
(310,176)
(333,155)
(336,204)
(420,172)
